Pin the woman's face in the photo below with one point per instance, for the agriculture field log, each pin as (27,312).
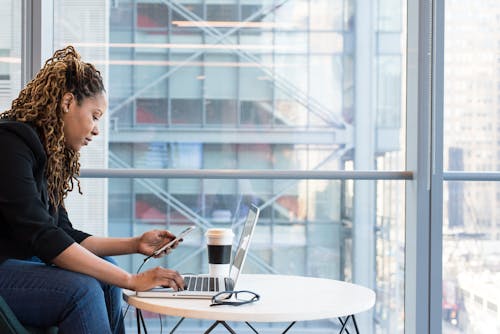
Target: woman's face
(81,121)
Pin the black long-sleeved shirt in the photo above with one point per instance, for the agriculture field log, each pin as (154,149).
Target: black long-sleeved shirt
(28,224)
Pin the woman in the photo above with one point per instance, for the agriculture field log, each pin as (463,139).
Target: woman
(50,273)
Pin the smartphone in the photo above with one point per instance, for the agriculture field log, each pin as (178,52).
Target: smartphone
(173,241)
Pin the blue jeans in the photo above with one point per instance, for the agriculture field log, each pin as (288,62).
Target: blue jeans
(43,296)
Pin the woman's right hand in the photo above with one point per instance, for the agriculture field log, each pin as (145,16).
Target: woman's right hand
(158,276)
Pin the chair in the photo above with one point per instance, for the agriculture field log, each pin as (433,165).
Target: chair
(10,325)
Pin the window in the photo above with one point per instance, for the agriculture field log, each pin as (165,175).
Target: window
(151,111)
(187,111)
(151,16)
(266,85)
(256,112)
(470,207)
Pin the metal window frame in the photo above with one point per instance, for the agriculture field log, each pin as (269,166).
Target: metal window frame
(437,148)
(37,36)
(423,254)
(245,174)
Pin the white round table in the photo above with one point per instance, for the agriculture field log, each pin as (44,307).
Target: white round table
(282,299)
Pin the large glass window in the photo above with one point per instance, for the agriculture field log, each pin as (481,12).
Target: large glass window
(253,84)
(471,209)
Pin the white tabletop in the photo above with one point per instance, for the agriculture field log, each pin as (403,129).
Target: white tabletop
(282,299)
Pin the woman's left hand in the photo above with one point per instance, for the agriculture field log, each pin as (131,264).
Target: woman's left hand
(152,240)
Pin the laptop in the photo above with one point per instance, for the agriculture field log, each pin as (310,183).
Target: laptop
(205,286)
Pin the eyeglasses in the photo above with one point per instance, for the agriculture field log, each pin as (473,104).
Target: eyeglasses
(240,298)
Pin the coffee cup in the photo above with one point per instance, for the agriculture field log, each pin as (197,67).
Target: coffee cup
(219,243)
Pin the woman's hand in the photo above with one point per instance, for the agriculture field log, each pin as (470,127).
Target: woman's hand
(150,241)
(157,277)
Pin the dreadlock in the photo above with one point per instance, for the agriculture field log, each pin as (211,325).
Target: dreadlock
(39,103)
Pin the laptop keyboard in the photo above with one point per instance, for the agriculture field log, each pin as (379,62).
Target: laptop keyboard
(205,283)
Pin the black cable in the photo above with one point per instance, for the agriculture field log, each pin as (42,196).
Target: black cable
(143,263)
(138,270)
(138,311)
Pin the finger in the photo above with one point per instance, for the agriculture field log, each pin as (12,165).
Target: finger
(166,251)
(166,234)
(175,278)
(179,281)
(159,234)
(173,285)
(171,278)
(175,244)
(169,283)
(159,255)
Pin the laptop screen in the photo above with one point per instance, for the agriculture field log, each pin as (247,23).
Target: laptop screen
(244,243)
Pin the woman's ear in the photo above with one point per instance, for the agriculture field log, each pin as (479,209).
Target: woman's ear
(66,101)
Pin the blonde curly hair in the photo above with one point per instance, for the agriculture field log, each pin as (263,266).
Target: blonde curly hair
(39,103)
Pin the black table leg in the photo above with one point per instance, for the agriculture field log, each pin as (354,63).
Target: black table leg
(140,321)
(289,326)
(230,330)
(355,324)
(223,323)
(177,325)
(254,330)
(344,324)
